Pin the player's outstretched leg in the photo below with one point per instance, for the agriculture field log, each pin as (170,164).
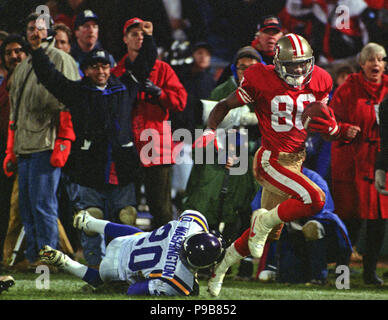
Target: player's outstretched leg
(53,257)
(84,221)
(230,258)
(262,222)
(57,258)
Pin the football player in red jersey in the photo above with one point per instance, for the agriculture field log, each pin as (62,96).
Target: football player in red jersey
(279,94)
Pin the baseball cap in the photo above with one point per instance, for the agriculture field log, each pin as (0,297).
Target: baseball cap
(131,23)
(247,52)
(269,22)
(201,44)
(83,17)
(95,56)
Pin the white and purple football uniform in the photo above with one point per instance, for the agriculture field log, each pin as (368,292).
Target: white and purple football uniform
(154,256)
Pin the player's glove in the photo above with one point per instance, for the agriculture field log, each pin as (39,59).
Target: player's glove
(208,137)
(9,163)
(325,126)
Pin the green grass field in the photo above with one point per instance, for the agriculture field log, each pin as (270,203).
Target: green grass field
(66,287)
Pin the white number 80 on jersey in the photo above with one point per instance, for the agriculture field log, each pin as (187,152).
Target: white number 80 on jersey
(287,114)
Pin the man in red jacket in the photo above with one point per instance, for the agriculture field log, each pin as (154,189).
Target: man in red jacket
(161,92)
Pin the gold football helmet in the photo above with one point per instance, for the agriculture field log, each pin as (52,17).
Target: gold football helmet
(294,60)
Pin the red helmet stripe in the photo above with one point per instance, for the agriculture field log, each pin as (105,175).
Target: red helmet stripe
(300,44)
(296,44)
(292,43)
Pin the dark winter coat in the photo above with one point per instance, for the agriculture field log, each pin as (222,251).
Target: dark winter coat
(101,121)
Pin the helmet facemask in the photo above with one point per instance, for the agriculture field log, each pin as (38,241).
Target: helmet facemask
(288,71)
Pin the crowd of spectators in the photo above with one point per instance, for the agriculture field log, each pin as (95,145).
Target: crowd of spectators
(203,48)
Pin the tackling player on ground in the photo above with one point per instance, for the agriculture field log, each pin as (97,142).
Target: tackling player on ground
(279,94)
(161,262)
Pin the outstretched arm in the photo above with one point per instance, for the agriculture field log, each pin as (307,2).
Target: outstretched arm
(221,109)
(54,81)
(216,116)
(145,61)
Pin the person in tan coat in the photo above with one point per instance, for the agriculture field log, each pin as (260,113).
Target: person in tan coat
(33,126)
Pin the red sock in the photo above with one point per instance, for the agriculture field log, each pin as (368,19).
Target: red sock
(292,209)
(289,210)
(241,244)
